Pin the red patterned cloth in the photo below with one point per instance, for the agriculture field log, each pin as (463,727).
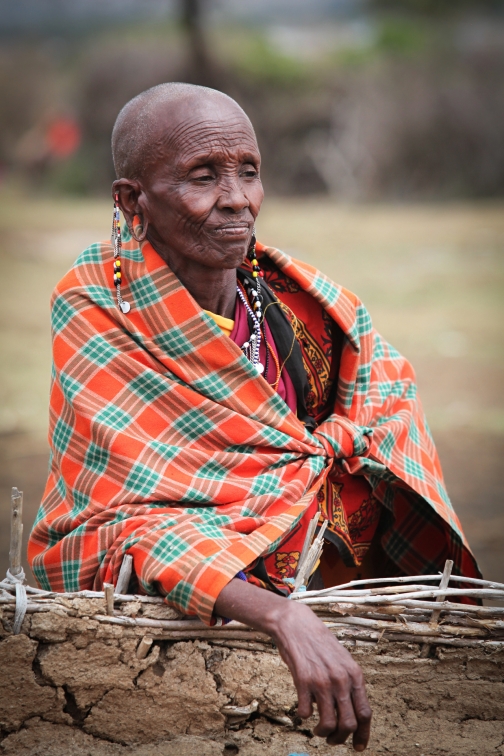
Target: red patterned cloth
(346,501)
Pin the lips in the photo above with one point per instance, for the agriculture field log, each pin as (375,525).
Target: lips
(235,230)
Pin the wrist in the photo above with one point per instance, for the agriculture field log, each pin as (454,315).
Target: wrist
(280,613)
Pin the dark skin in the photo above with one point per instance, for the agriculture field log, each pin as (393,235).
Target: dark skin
(197,204)
(200,198)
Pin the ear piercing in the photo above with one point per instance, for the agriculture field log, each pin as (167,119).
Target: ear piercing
(116,241)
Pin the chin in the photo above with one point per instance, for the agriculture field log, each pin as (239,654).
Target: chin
(229,255)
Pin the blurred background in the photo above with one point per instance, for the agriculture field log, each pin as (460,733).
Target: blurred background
(381,129)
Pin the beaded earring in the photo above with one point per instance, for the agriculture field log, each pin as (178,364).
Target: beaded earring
(252,346)
(116,241)
(251,254)
(255,294)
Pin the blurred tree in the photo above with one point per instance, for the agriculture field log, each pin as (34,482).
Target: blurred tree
(201,65)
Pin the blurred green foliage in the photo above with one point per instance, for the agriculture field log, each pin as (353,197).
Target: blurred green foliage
(403,36)
(73,176)
(438,7)
(253,56)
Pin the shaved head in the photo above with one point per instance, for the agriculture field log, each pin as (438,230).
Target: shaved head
(148,121)
(189,184)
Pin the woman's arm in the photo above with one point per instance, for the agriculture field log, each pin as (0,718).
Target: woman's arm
(322,669)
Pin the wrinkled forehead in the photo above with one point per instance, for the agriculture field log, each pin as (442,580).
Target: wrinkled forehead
(190,128)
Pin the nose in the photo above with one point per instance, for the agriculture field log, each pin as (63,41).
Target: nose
(232,197)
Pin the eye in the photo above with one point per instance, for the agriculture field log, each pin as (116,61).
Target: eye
(204,178)
(249,171)
(202,175)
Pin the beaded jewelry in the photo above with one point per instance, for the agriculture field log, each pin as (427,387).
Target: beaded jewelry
(277,366)
(251,347)
(254,294)
(116,241)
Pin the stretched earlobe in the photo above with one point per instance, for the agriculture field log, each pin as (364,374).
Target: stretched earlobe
(138,228)
(126,193)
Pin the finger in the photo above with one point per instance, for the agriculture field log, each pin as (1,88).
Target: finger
(328,719)
(305,701)
(363,713)
(347,722)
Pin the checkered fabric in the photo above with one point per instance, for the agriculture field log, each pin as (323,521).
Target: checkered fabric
(167,445)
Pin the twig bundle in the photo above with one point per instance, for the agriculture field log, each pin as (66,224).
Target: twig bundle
(366,610)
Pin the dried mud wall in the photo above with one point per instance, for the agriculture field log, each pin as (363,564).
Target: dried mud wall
(74,686)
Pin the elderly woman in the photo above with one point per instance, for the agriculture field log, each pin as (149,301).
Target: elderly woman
(211,395)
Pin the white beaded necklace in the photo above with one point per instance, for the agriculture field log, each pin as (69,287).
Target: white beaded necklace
(252,346)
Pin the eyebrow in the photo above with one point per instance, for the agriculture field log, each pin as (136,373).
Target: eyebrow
(216,156)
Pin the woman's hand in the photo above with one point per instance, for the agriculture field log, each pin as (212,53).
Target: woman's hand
(322,669)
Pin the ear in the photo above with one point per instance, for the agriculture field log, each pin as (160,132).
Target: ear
(128,192)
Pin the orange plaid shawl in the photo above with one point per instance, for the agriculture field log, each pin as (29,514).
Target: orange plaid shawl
(166,444)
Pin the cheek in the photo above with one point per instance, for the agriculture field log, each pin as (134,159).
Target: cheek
(255,197)
(195,207)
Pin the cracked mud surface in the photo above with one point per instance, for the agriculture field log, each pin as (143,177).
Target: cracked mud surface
(72,685)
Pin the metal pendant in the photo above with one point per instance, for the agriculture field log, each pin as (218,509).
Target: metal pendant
(125,306)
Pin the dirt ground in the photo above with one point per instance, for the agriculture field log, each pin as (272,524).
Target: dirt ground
(431,276)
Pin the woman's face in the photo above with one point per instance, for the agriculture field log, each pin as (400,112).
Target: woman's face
(203,192)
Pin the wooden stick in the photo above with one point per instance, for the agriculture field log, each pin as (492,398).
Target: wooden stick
(401,605)
(124,574)
(408,579)
(410,628)
(123,599)
(397,599)
(108,590)
(189,625)
(245,645)
(442,586)
(315,555)
(16,535)
(307,542)
(420,608)
(486,611)
(443,641)
(393,590)
(372,636)
(218,634)
(311,558)
(352,609)
(143,647)
(20,610)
